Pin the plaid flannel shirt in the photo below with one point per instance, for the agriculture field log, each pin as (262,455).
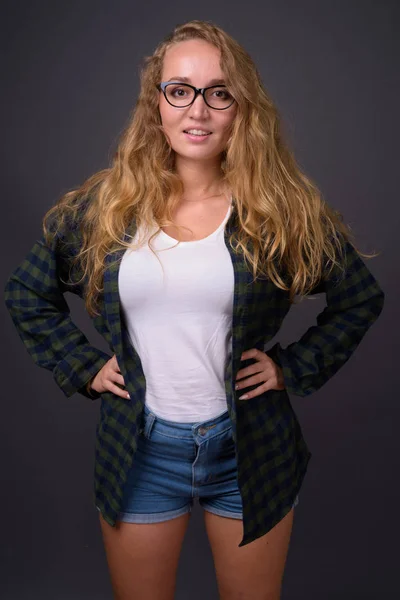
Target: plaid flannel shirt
(272,455)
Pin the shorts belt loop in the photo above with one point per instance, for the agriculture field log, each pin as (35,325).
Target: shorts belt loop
(148,426)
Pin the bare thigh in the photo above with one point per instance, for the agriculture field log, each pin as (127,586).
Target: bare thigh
(143,557)
(251,572)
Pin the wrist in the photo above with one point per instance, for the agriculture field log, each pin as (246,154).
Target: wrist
(89,388)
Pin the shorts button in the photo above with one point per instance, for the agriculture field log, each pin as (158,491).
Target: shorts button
(202,430)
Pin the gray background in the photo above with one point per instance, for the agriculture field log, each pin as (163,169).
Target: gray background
(70,78)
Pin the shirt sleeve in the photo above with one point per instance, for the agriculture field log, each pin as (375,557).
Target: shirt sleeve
(353,303)
(34,296)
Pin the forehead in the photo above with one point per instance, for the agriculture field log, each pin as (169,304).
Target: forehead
(192,59)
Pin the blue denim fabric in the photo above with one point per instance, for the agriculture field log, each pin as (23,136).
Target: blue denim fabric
(177,462)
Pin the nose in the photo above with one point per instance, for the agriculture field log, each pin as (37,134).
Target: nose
(199,107)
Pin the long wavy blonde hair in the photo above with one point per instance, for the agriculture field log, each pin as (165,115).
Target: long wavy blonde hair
(286,231)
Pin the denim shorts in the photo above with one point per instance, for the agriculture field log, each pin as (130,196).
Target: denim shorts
(177,462)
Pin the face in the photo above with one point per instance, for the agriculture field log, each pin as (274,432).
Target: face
(198,61)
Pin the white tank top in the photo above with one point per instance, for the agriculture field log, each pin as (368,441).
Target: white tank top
(180,322)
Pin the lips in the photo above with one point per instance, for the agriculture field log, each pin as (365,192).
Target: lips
(199,134)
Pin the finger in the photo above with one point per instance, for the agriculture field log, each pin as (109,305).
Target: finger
(111,376)
(252,353)
(116,366)
(117,390)
(251,370)
(116,378)
(257,392)
(259,378)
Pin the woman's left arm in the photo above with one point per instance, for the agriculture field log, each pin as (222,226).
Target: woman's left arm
(354,302)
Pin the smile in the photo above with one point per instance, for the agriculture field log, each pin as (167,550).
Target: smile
(199,132)
(196,135)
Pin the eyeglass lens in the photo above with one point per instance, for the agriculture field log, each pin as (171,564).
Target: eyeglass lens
(182,95)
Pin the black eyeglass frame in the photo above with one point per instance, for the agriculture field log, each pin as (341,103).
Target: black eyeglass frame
(161,87)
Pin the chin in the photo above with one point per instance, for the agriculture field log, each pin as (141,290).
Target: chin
(199,152)
(194,153)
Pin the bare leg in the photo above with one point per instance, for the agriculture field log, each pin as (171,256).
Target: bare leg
(254,571)
(143,557)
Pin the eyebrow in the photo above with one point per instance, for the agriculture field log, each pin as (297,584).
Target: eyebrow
(187,80)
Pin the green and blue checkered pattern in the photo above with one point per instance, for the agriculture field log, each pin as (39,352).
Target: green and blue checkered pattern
(272,455)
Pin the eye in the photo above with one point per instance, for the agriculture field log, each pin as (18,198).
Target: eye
(178,91)
(223,94)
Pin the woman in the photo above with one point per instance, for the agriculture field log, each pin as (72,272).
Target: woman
(188,252)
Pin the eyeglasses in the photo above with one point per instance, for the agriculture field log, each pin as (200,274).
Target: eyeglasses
(181,95)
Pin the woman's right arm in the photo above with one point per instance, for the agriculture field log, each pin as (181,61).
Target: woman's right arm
(34,296)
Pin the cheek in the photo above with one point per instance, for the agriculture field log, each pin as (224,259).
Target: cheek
(227,126)
(169,118)
(227,121)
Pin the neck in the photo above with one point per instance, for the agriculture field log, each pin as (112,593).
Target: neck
(202,180)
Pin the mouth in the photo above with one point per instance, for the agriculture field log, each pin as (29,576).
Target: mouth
(197,132)
(196,135)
